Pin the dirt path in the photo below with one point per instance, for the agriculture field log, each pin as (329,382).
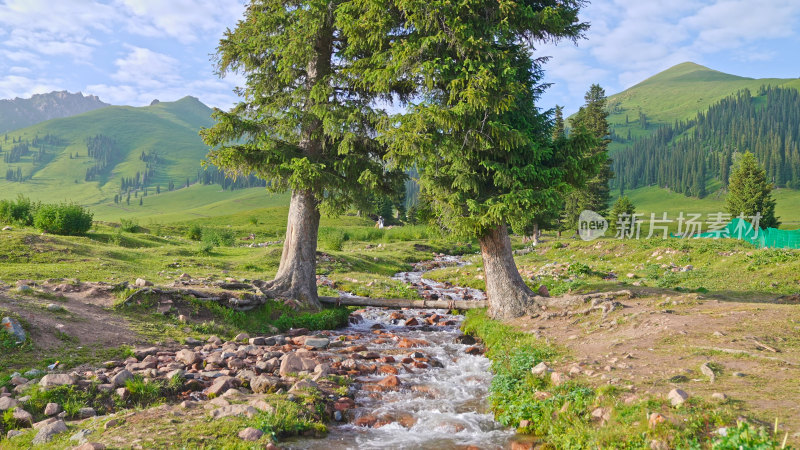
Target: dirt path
(659,341)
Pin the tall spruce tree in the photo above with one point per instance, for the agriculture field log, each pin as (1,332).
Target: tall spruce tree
(485,152)
(304,122)
(750,193)
(595,196)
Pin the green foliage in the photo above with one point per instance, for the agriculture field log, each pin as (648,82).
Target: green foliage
(7,340)
(484,150)
(749,193)
(194,232)
(129,225)
(218,237)
(745,436)
(326,146)
(288,419)
(332,239)
(64,218)
(18,212)
(143,392)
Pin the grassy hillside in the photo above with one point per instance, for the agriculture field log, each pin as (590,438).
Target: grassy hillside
(677,93)
(170,129)
(656,200)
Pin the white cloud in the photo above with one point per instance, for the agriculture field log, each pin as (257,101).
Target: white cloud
(184,20)
(12,86)
(146,68)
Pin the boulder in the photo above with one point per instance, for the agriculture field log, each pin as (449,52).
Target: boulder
(677,397)
(141,282)
(23,417)
(294,363)
(250,434)
(221,385)
(540,369)
(120,378)
(187,357)
(47,432)
(7,403)
(57,379)
(13,327)
(264,383)
(318,343)
(52,409)
(234,410)
(241,337)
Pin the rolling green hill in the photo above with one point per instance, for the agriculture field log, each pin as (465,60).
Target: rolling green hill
(51,159)
(677,93)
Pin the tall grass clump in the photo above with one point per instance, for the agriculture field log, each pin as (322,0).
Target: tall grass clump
(218,238)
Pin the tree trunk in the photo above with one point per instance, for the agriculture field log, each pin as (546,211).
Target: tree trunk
(297,274)
(507,293)
(535,234)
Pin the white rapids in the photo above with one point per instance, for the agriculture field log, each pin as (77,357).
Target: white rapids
(437,407)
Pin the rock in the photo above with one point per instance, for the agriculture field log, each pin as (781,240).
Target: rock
(52,409)
(465,339)
(85,413)
(221,385)
(318,343)
(257,341)
(337,416)
(7,403)
(57,379)
(7,228)
(47,432)
(234,410)
(14,433)
(719,397)
(412,322)
(112,423)
(142,353)
(262,405)
(187,357)
(13,327)
(250,434)
(120,378)
(540,369)
(543,291)
(558,378)
(123,393)
(390,381)
(601,414)
(44,422)
(24,289)
(706,370)
(473,350)
(294,363)
(241,337)
(630,275)
(264,384)
(215,340)
(80,436)
(141,282)
(53,307)
(23,417)
(654,419)
(677,397)
(738,374)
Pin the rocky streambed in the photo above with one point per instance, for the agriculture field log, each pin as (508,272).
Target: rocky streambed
(391,379)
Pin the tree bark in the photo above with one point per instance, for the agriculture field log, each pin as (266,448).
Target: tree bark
(297,274)
(506,292)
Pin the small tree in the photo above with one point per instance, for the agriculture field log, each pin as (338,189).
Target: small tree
(623,205)
(749,193)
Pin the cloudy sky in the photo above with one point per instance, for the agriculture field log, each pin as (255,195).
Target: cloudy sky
(133,51)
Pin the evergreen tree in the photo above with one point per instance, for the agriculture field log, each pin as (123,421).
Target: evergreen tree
(750,193)
(307,118)
(485,152)
(623,205)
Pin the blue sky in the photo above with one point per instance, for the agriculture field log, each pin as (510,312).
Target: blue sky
(133,51)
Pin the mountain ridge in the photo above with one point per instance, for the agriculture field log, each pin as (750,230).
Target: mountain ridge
(18,113)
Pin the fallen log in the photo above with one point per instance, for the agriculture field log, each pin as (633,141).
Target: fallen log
(405,303)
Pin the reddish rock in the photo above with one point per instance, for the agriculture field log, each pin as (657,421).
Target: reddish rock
(388,369)
(365,421)
(387,359)
(390,381)
(420,365)
(412,322)
(356,348)
(473,351)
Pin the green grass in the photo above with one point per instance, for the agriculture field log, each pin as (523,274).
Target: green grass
(561,415)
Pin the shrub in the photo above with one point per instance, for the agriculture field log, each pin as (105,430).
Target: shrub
(195,232)
(129,225)
(19,212)
(64,218)
(332,239)
(218,238)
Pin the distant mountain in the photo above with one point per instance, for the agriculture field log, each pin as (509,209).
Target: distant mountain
(95,157)
(24,112)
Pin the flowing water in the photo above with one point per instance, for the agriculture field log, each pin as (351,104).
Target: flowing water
(441,406)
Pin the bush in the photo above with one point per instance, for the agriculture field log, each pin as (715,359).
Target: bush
(218,238)
(18,212)
(129,225)
(195,232)
(64,218)
(332,239)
